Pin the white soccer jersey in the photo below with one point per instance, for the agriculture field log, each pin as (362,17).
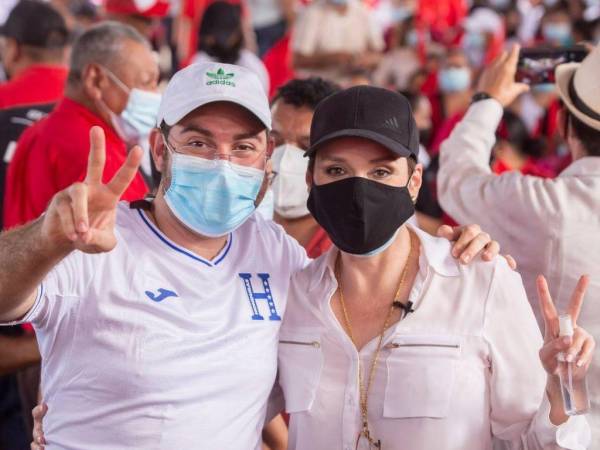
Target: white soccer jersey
(152,347)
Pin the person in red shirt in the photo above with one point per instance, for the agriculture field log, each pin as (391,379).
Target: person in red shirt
(111,81)
(142,15)
(516,149)
(188,26)
(33,55)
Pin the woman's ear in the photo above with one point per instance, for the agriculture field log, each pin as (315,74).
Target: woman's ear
(415,182)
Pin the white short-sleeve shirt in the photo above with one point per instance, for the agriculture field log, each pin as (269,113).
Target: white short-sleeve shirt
(152,347)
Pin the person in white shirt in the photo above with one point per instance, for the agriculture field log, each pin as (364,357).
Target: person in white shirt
(332,38)
(158,321)
(387,342)
(550,225)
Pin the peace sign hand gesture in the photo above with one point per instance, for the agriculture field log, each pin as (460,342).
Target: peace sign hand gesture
(83,215)
(577,349)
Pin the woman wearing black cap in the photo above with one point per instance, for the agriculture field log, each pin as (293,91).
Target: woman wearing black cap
(388,342)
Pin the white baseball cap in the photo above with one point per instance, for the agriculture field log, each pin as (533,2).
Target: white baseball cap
(202,83)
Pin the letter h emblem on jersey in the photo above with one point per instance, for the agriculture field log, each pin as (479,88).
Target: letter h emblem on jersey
(265,295)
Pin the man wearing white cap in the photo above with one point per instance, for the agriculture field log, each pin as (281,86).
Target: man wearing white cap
(551,226)
(158,321)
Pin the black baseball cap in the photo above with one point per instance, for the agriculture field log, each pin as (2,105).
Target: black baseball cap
(369,112)
(36,23)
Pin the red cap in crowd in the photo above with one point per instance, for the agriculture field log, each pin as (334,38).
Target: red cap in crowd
(146,8)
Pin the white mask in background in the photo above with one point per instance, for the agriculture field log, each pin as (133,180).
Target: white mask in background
(266,207)
(289,185)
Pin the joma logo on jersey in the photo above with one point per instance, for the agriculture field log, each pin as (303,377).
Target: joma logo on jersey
(265,295)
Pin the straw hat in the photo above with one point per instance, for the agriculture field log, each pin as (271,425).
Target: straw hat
(579,88)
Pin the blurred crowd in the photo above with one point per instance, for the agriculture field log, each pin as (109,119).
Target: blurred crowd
(431,51)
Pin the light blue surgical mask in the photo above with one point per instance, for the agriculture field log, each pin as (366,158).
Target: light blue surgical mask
(500,4)
(401,13)
(557,33)
(140,114)
(412,38)
(142,110)
(454,79)
(212,197)
(543,88)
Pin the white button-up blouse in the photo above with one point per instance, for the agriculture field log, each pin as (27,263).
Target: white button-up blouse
(460,373)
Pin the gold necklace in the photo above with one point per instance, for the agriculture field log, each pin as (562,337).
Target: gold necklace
(364,392)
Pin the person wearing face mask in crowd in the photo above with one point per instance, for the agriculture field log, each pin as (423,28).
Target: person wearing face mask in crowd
(402,60)
(33,57)
(158,320)
(515,149)
(221,39)
(484,36)
(323,45)
(556,28)
(112,84)
(449,104)
(292,109)
(550,225)
(387,342)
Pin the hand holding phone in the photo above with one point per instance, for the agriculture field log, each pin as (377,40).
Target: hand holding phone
(537,65)
(498,80)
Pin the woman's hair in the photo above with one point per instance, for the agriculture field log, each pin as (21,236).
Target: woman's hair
(513,130)
(220,34)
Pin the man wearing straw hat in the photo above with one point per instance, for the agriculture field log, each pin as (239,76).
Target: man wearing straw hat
(550,226)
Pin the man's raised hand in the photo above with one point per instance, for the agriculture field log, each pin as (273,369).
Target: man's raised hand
(83,215)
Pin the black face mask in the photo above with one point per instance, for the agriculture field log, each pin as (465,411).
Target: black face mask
(360,215)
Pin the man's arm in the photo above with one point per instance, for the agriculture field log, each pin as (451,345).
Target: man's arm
(80,217)
(26,257)
(467,188)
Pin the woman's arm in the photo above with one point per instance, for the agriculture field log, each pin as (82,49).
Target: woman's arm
(579,348)
(526,412)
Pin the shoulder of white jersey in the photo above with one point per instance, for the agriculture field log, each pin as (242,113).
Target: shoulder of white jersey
(126,217)
(256,223)
(274,236)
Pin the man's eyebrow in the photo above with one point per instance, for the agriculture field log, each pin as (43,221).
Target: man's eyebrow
(249,135)
(196,129)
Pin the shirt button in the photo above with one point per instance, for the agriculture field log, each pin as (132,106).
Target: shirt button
(350,401)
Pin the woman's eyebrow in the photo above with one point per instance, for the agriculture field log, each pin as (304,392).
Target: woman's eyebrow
(333,159)
(384,159)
